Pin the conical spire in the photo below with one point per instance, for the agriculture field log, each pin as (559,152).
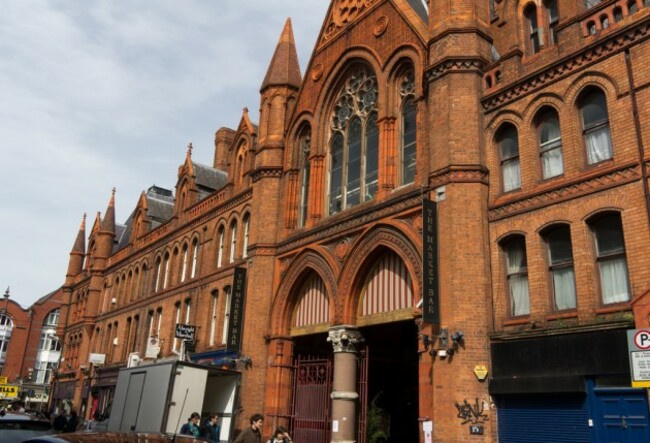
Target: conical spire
(80,242)
(284,69)
(108,224)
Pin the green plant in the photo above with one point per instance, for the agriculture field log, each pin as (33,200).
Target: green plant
(374,427)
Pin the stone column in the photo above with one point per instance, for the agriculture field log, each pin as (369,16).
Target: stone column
(344,396)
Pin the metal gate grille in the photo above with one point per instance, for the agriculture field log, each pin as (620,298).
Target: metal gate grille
(312,386)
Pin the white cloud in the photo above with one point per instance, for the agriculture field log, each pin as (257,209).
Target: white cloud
(103,93)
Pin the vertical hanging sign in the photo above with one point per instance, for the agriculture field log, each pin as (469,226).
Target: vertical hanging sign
(237,302)
(430,299)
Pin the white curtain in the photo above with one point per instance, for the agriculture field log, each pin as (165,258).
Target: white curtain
(564,289)
(552,163)
(511,175)
(599,145)
(518,281)
(613,279)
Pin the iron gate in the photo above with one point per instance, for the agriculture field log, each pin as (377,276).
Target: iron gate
(312,386)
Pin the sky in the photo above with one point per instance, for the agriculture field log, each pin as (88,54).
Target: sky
(97,94)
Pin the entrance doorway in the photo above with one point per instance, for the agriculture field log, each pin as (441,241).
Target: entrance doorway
(393,379)
(389,397)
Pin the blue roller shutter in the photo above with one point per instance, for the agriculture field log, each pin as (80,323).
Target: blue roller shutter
(543,418)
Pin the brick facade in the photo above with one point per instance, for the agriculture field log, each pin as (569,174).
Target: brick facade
(474,71)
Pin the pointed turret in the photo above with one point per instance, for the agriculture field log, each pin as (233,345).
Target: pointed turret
(75,264)
(284,69)
(108,223)
(278,90)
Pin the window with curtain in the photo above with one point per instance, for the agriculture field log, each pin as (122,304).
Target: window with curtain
(508,143)
(177,320)
(408,154)
(550,143)
(551,11)
(244,249)
(233,241)
(595,126)
(195,257)
(354,143)
(188,307)
(184,264)
(166,276)
(213,317)
(221,235)
(517,275)
(610,258)
(560,266)
(226,314)
(304,145)
(530,14)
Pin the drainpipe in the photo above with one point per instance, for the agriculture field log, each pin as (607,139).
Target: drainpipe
(639,138)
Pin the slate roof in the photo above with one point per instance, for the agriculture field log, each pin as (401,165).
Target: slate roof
(208,178)
(420,9)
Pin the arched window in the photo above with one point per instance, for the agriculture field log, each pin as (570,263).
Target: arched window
(166,272)
(595,125)
(550,143)
(517,275)
(184,264)
(195,257)
(604,21)
(530,14)
(158,274)
(226,314)
(632,6)
(611,260)
(508,143)
(560,266)
(551,11)
(304,145)
(618,14)
(354,143)
(213,317)
(408,154)
(177,320)
(233,241)
(244,249)
(221,234)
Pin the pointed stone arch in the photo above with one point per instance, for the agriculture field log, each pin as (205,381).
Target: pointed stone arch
(369,250)
(309,264)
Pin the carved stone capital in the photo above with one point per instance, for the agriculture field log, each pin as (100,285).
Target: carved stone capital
(345,338)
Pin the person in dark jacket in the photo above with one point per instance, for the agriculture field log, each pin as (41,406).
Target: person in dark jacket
(211,430)
(192,426)
(254,433)
(73,422)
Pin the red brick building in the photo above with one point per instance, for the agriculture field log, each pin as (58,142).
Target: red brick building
(497,314)
(29,347)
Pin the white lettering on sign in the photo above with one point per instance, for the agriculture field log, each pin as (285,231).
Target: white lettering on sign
(642,339)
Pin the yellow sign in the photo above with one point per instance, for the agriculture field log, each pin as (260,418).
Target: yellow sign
(8,391)
(480,371)
(3,380)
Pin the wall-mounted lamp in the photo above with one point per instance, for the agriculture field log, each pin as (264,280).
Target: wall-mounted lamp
(444,347)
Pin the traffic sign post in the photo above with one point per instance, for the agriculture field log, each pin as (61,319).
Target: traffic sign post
(638,345)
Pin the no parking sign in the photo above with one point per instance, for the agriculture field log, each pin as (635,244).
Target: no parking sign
(638,345)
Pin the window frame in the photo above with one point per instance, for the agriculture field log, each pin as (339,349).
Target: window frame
(588,130)
(553,266)
(521,272)
(503,160)
(548,146)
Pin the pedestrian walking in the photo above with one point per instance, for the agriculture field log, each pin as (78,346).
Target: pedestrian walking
(253,434)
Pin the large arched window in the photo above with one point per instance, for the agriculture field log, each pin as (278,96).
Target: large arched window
(233,241)
(304,146)
(508,142)
(550,143)
(354,143)
(247,229)
(514,250)
(195,257)
(595,125)
(408,154)
(184,263)
(610,258)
